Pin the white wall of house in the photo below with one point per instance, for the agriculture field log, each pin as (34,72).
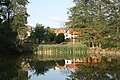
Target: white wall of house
(75,36)
(68,36)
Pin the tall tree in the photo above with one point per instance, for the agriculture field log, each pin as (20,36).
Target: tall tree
(49,35)
(20,15)
(38,33)
(13,17)
(94,16)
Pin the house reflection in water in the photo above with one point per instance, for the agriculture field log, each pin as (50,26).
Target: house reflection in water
(72,63)
(68,63)
(67,68)
(64,67)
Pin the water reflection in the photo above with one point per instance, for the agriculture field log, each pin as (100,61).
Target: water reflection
(30,67)
(106,70)
(10,69)
(48,70)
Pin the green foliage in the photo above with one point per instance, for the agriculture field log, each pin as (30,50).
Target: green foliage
(7,39)
(13,17)
(49,35)
(98,18)
(18,25)
(108,43)
(69,50)
(41,34)
(60,38)
(38,33)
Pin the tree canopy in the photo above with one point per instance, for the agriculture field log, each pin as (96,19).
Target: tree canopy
(60,38)
(41,34)
(98,18)
(13,17)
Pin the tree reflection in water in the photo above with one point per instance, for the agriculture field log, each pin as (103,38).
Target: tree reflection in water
(10,69)
(100,71)
(41,67)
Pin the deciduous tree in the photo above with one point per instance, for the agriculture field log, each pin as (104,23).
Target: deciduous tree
(13,17)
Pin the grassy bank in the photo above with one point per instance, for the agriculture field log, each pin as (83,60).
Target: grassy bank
(61,50)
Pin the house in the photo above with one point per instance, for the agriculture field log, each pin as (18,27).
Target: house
(64,31)
(70,33)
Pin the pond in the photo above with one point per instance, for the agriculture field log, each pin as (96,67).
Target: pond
(42,67)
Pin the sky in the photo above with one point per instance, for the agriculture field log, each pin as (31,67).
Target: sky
(52,13)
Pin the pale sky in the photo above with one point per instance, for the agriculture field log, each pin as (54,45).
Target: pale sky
(51,13)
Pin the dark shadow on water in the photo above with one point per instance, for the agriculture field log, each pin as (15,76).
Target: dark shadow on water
(16,68)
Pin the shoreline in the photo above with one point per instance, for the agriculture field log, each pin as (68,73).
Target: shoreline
(98,52)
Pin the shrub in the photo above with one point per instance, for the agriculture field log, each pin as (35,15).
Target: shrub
(60,38)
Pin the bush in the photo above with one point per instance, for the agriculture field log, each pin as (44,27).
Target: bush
(60,38)
(108,43)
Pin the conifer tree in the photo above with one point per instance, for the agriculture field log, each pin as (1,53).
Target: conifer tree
(95,17)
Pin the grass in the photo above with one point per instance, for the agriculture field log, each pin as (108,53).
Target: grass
(68,50)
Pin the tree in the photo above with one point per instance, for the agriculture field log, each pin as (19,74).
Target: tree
(39,33)
(60,38)
(13,17)
(95,17)
(49,35)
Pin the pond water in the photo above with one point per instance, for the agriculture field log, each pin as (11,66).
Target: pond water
(35,67)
